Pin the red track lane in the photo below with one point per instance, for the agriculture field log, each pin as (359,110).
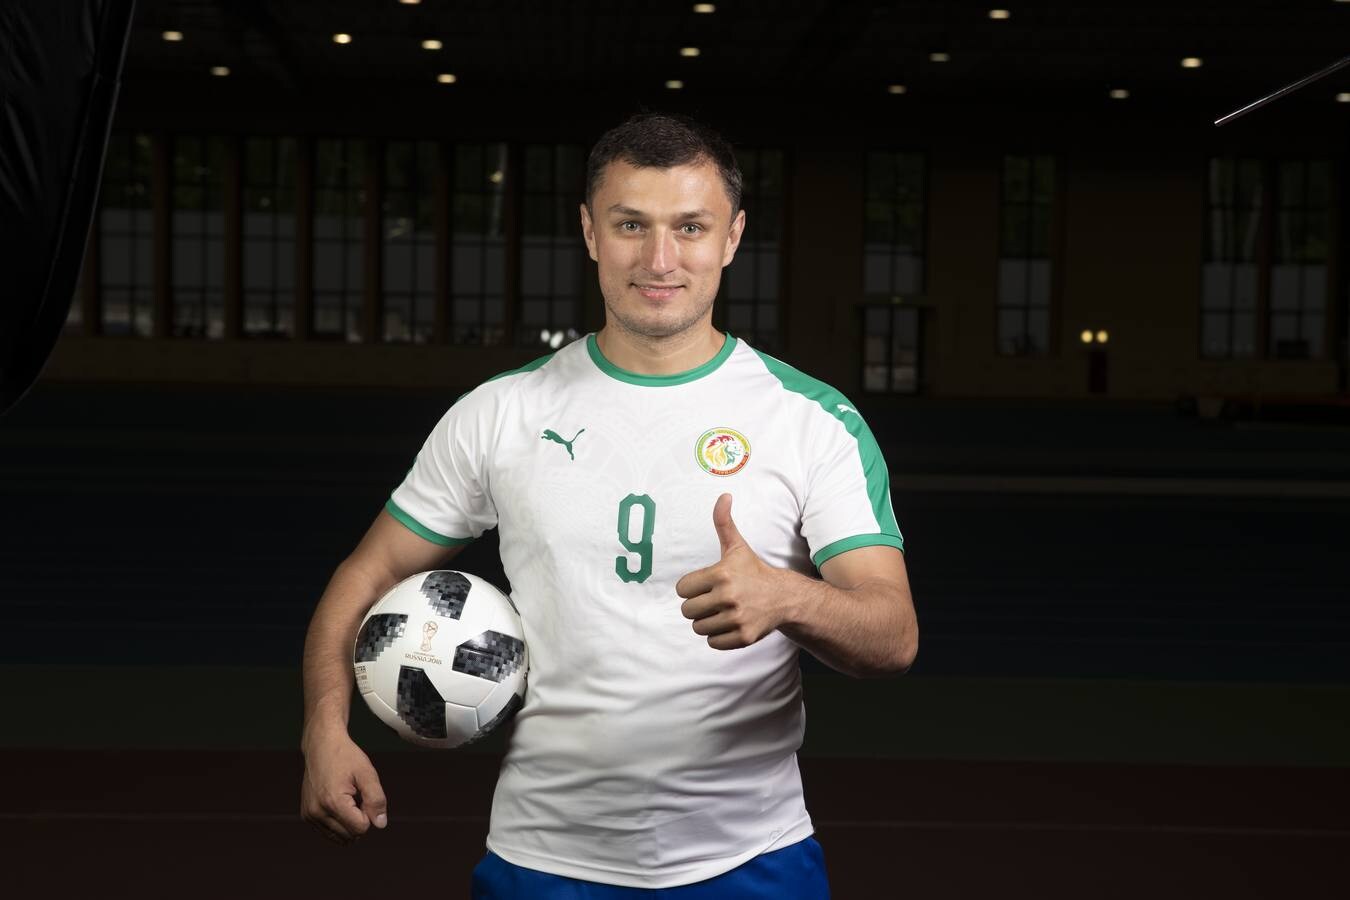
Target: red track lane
(207,824)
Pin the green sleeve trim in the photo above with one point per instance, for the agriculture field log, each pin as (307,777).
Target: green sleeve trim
(421,530)
(853,543)
(839,406)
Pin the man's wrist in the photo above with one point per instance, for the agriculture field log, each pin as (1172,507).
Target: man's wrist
(319,725)
(795,593)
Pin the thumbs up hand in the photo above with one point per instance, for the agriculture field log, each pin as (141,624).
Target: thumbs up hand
(737,600)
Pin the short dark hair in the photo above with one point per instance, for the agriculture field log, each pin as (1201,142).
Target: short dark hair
(662,141)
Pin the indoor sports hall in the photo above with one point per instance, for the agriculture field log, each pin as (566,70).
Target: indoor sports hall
(1082,268)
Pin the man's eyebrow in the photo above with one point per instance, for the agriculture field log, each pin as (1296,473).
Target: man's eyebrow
(637,213)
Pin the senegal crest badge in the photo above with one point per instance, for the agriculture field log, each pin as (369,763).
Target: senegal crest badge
(722,451)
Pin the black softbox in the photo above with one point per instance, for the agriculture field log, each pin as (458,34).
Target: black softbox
(60,68)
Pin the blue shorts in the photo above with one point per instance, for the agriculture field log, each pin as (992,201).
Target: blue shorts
(796,872)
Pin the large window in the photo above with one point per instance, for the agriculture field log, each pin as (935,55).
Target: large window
(891,347)
(269,236)
(1266,263)
(339,244)
(478,244)
(198,248)
(551,248)
(1231,265)
(1024,255)
(125,231)
(893,225)
(1298,273)
(409,241)
(752,280)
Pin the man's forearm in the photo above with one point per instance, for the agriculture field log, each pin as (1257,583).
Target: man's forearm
(327,667)
(867,631)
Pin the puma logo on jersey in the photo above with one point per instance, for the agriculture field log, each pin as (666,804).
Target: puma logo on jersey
(844,407)
(551,435)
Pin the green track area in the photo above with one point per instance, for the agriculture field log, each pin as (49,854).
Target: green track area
(1050,720)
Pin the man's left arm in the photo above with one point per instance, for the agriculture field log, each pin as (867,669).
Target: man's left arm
(859,620)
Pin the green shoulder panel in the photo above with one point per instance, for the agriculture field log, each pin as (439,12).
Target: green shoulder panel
(417,527)
(528,367)
(873,463)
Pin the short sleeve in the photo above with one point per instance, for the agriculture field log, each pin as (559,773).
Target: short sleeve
(446,496)
(848,492)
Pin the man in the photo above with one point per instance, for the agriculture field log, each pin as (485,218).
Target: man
(656,747)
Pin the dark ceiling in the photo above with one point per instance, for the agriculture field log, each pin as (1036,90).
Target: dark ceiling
(1046,55)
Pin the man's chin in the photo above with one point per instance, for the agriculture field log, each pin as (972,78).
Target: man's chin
(654,325)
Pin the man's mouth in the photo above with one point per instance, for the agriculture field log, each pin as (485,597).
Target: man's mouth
(657,291)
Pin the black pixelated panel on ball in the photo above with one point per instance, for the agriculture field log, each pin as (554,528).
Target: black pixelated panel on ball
(420,704)
(509,710)
(377,633)
(490,655)
(447,592)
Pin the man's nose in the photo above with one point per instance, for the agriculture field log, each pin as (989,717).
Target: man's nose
(659,252)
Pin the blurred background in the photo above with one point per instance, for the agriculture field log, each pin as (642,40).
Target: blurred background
(1103,343)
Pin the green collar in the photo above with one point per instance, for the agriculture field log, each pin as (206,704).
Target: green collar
(614,371)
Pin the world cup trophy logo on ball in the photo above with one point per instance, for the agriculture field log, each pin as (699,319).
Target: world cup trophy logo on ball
(428,632)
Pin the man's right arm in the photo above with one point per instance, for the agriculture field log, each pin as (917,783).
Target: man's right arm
(336,770)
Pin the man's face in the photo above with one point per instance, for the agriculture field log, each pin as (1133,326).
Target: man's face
(660,238)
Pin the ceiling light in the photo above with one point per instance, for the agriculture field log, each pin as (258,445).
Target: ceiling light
(1085,337)
(704,8)
(446,78)
(689,51)
(410,2)
(173,35)
(896,89)
(674,84)
(220,71)
(432,44)
(496,177)
(939,57)
(1119,94)
(1103,337)
(1192,62)
(342,38)
(1344,96)
(999,14)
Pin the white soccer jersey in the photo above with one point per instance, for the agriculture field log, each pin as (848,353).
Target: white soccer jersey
(642,756)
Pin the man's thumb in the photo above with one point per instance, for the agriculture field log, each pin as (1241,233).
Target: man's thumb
(728,535)
(373,803)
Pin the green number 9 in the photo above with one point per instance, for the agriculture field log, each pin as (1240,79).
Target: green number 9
(642,547)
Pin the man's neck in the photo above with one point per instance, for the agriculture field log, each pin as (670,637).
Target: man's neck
(659,356)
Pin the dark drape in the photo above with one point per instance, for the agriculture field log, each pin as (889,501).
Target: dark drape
(60,69)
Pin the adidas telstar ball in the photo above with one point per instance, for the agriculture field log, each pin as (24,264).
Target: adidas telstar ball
(441,659)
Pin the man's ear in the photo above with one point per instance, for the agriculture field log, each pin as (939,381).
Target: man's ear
(733,238)
(588,231)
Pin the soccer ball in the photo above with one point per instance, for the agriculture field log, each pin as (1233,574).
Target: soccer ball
(441,659)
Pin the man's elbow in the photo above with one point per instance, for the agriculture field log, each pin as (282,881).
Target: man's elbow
(898,663)
(906,652)
(907,658)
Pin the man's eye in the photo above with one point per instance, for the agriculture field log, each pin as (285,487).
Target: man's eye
(691,228)
(629,226)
